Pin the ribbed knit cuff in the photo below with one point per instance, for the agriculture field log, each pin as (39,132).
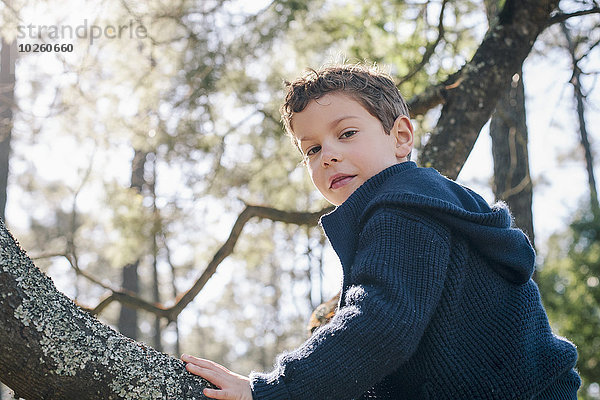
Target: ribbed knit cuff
(268,387)
(564,387)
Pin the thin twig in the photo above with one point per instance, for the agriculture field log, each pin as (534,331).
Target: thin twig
(561,17)
(430,49)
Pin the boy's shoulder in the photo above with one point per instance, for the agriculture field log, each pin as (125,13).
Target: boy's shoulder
(416,187)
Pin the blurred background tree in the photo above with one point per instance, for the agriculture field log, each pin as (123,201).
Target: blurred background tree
(132,157)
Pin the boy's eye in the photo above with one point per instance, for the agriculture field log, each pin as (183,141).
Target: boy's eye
(348,134)
(313,150)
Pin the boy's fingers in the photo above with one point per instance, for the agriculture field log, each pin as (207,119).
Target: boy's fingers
(192,359)
(213,377)
(214,366)
(217,394)
(203,372)
(203,363)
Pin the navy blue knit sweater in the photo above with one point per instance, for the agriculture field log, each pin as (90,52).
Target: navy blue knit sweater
(437,303)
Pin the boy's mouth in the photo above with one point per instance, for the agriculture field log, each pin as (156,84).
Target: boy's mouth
(339,180)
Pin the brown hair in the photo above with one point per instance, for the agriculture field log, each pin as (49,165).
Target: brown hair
(372,88)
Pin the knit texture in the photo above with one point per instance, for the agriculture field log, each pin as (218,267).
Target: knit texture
(437,303)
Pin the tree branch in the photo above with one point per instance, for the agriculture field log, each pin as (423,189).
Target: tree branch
(430,49)
(171,313)
(562,17)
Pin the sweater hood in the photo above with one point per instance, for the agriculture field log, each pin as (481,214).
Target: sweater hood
(487,228)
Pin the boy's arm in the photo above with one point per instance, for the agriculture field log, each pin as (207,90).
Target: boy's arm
(391,291)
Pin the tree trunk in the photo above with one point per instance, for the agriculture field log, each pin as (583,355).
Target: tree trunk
(583,133)
(508,130)
(512,181)
(156,228)
(8,56)
(50,349)
(128,317)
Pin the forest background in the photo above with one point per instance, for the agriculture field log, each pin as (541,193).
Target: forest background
(130,163)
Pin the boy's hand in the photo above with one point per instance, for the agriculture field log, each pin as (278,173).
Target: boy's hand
(233,386)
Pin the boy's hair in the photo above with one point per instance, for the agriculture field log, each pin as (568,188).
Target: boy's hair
(370,86)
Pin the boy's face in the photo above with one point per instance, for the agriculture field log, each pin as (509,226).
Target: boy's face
(344,145)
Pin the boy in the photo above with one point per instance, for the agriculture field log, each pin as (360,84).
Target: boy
(437,300)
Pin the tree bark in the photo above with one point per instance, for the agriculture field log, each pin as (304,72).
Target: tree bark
(469,97)
(50,349)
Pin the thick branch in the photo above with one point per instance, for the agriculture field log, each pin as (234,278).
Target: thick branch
(470,101)
(50,349)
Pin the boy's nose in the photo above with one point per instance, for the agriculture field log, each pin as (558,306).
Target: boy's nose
(331,156)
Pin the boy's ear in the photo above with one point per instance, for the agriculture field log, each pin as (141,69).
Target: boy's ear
(402,131)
